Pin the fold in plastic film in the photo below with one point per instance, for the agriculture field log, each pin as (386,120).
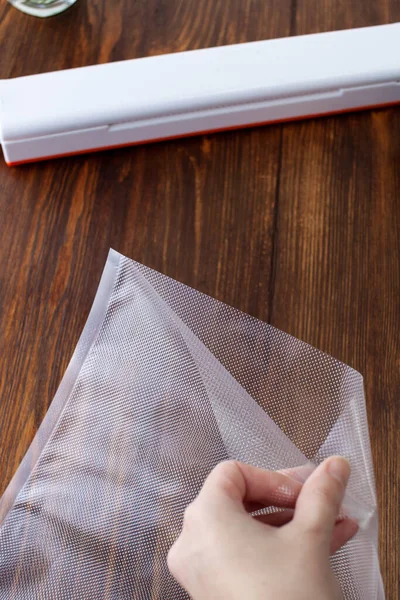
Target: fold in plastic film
(165,383)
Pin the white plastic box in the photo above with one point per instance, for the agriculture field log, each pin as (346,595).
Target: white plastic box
(187,93)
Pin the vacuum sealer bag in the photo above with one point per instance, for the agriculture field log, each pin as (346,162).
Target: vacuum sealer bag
(165,383)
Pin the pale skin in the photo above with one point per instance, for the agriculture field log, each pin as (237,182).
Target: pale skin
(225,553)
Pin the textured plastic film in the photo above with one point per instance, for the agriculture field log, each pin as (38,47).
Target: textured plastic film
(164,384)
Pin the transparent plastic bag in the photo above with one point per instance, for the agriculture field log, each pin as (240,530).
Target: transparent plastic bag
(165,383)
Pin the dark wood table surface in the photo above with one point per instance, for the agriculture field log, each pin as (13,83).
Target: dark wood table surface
(297,224)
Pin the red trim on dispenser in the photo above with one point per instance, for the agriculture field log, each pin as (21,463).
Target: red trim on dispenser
(206,132)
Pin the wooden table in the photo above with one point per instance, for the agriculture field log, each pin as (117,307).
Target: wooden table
(297,224)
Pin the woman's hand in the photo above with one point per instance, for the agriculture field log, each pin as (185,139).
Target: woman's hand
(224,553)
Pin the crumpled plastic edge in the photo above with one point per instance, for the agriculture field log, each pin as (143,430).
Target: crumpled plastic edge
(53,415)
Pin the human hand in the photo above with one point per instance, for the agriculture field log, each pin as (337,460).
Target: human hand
(225,553)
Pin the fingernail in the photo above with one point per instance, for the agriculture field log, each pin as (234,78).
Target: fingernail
(339,468)
(300,474)
(291,485)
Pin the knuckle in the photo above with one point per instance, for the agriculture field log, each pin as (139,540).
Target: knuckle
(330,491)
(226,476)
(227,472)
(226,468)
(174,559)
(324,493)
(314,529)
(191,516)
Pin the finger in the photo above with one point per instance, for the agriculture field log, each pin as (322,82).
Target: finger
(289,502)
(319,501)
(301,473)
(237,484)
(276,519)
(343,532)
(252,507)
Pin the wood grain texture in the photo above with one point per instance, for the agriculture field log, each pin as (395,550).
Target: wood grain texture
(296,224)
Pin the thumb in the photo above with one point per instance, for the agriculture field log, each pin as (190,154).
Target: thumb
(320,499)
